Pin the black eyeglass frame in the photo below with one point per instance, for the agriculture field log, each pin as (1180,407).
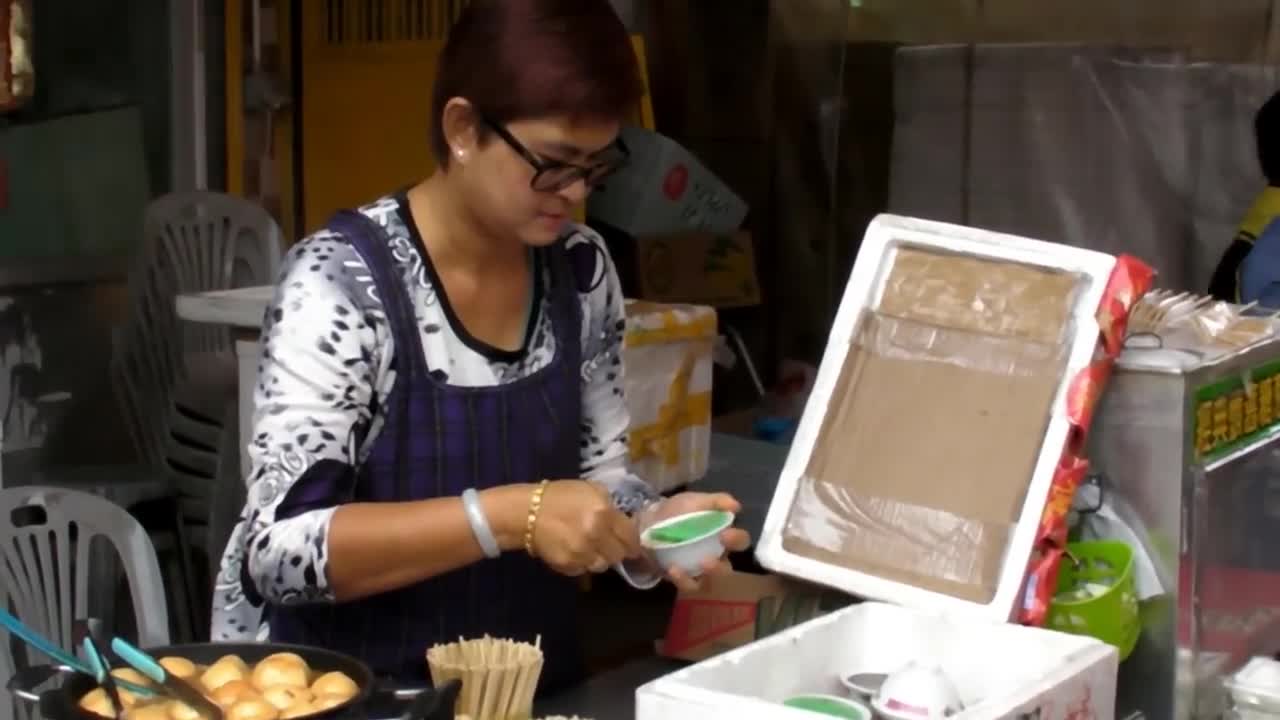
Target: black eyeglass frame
(591,175)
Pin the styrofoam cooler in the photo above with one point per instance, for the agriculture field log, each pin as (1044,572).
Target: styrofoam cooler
(667,355)
(816,527)
(1003,671)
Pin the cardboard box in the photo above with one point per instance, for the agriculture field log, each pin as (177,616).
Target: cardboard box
(741,608)
(701,268)
(664,190)
(746,167)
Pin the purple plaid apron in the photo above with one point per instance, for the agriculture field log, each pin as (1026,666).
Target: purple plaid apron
(437,441)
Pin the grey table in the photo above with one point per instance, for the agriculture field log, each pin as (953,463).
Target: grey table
(748,469)
(610,695)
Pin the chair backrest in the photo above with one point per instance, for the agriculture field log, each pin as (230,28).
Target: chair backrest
(210,241)
(193,242)
(46,538)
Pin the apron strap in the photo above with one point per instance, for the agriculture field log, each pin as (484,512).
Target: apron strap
(370,240)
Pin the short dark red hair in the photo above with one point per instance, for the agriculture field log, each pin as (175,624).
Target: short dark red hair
(521,59)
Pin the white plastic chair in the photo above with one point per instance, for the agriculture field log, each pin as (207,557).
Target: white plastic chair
(211,241)
(193,242)
(186,452)
(47,549)
(41,529)
(172,379)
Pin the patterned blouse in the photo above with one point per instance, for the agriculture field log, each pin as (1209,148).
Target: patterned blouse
(326,367)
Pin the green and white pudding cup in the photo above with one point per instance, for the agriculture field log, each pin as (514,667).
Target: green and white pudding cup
(687,541)
(830,706)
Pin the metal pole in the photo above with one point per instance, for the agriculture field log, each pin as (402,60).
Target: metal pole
(189,166)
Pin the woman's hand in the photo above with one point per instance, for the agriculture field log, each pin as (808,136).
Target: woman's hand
(733,539)
(578,529)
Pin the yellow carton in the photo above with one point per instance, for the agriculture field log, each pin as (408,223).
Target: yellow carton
(667,355)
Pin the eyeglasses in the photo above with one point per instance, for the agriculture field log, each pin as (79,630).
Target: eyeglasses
(554,175)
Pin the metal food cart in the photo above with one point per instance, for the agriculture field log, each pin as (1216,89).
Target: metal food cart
(1186,446)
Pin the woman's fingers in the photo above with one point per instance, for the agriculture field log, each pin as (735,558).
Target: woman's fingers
(735,539)
(610,550)
(725,502)
(569,569)
(624,531)
(682,581)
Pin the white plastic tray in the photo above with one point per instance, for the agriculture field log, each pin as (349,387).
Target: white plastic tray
(866,285)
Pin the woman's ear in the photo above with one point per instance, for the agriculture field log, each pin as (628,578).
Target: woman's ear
(461,129)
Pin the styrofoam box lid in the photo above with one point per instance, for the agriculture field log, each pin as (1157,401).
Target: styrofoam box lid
(866,285)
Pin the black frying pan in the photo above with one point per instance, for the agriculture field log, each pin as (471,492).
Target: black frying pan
(63,703)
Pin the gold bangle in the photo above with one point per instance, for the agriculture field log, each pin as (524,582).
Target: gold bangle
(535,504)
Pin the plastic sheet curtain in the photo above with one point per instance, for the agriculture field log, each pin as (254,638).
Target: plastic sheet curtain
(1115,149)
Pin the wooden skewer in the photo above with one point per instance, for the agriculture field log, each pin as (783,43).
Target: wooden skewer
(1195,307)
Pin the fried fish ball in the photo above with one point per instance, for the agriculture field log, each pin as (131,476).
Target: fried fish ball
(252,709)
(98,702)
(324,702)
(130,675)
(294,658)
(127,698)
(223,671)
(179,710)
(180,666)
(279,671)
(335,683)
(232,692)
(285,696)
(298,710)
(148,711)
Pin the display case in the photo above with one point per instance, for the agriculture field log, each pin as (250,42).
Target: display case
(1187,446)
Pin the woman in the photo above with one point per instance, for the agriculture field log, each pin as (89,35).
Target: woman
(442,367)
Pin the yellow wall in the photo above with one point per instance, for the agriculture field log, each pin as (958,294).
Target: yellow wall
(366,95)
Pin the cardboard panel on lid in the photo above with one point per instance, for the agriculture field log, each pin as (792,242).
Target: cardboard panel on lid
(926,454)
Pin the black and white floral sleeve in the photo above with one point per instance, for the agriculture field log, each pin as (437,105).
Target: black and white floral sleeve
(605,418)
(325,341)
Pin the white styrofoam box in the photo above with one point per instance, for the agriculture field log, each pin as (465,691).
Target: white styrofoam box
(667,354)
(1001,670)
(664,190)
(1256,686)
(865,287)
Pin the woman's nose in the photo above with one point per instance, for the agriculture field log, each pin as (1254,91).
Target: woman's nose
(576,192)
